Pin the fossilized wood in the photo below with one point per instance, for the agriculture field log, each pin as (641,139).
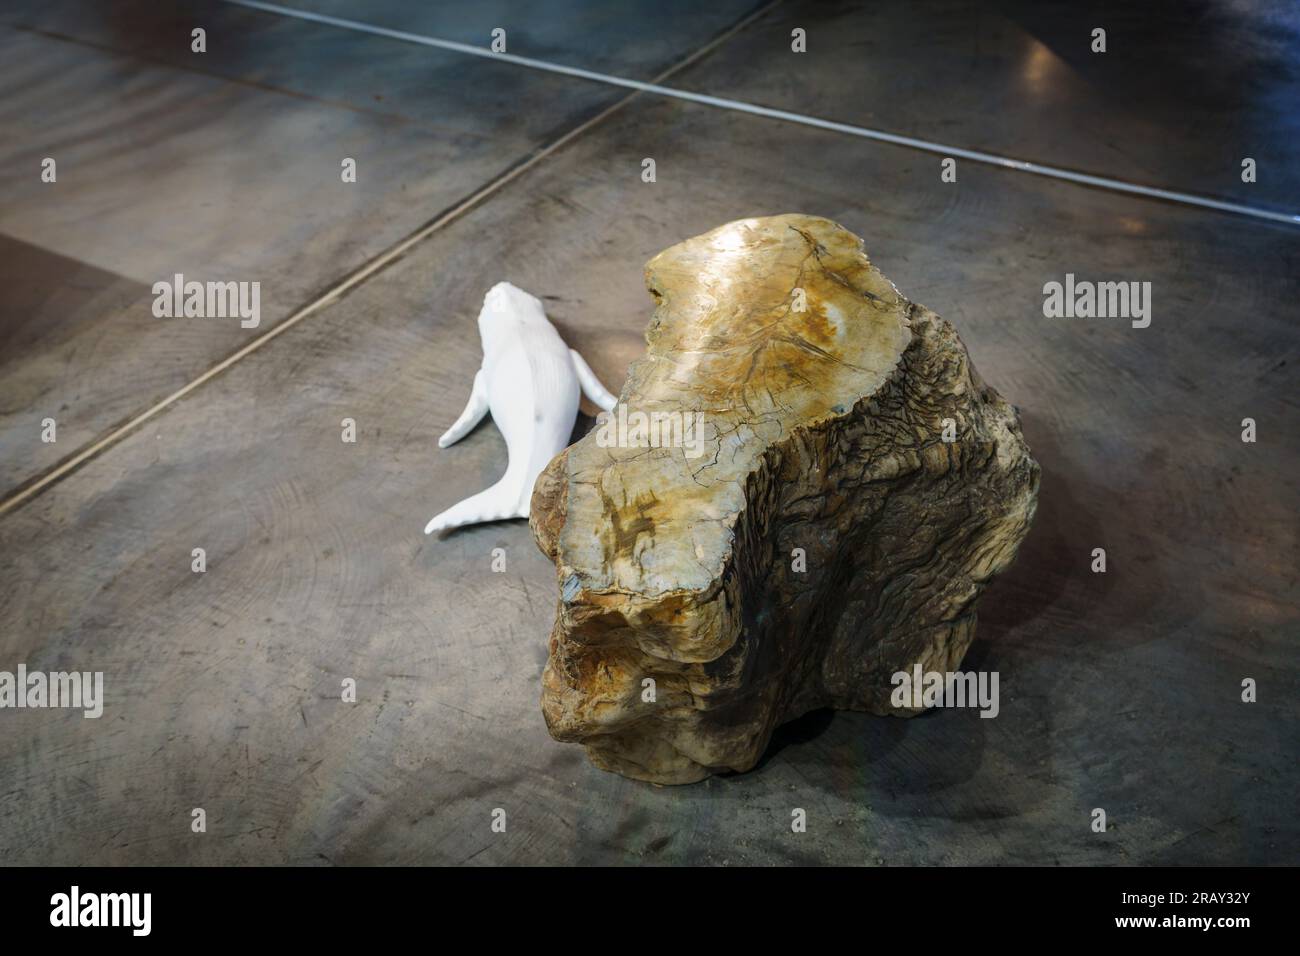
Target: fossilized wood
(822,431)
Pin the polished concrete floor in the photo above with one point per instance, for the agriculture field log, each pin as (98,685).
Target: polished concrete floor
(1119,691)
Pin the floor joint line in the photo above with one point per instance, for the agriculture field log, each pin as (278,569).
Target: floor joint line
(355,278)
(864,132)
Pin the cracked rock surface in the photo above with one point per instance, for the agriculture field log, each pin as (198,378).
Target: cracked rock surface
(816,535)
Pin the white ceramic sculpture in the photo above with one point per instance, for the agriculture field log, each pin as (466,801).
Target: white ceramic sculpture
(529,381)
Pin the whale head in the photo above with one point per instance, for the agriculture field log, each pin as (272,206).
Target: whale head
(507,311)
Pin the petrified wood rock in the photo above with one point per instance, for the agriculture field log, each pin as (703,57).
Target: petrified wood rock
(822,431)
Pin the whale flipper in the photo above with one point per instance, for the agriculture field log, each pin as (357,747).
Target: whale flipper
(475,409)
(591,386)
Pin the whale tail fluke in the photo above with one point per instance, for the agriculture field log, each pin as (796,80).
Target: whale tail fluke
(497,503)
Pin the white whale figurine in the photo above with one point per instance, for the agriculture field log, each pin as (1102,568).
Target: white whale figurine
(529,382)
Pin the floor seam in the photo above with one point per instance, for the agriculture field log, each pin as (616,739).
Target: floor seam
(864,132)
(43,480)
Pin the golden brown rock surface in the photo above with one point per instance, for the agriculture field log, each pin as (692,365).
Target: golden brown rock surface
(821,431)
